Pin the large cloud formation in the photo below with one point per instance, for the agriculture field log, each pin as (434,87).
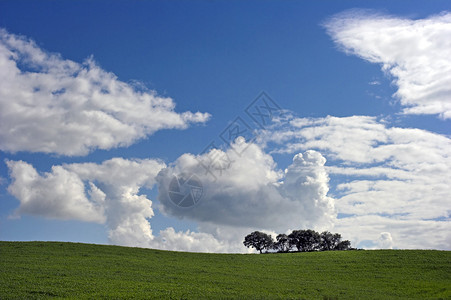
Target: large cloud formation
(414,52)
(391,189)
(54,105)
(249,194)
(106,193)
(389,179)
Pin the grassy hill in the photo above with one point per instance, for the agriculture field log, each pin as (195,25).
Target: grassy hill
(54,269)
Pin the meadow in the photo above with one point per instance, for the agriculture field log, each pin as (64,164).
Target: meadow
(33,270)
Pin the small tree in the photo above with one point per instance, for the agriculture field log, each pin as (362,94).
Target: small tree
(282,244)
(258,240)
(329,241)
(343,245)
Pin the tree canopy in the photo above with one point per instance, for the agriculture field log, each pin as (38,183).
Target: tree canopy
(282,243)
(258,240)
(300,240)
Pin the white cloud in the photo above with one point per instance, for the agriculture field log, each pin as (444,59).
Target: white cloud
(53,105)
(366,231)
(108,193)
(169,239)
(127,211)
(112,196)
(385,240)
(399,185)
(59,194)
(252,193)
(414,52)
(398,174)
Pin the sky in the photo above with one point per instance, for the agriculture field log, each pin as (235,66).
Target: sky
(185,125)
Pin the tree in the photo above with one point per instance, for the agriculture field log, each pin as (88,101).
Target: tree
(258,240)
(313,239)
(329,241)
(295,239)
(343,245)
(282,244)
(305,240)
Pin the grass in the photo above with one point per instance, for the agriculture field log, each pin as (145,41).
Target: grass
(34,270)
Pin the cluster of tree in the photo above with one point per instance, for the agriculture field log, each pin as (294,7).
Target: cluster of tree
(299,240)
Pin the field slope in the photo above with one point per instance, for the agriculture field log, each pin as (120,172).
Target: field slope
(54,269)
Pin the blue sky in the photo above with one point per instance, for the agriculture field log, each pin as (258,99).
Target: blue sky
(216,58)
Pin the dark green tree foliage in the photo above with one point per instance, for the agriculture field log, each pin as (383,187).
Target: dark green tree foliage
(343,245)
(258,240)
(302,240)
(329,241)
(305,240)
(282,243)
(313,240)
(296,238)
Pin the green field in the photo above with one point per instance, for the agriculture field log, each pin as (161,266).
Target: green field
(55,269)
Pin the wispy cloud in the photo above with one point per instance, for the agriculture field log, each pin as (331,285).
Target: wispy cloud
(414,52)
(54,105)
(395,174)
(389,186)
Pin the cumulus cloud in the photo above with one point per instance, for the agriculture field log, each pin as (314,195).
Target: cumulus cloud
(251,193)
(54,105)
(414,52)
(59,194)
(105,193)
(399,175)
(385,240)
(385,180)
(127,211)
